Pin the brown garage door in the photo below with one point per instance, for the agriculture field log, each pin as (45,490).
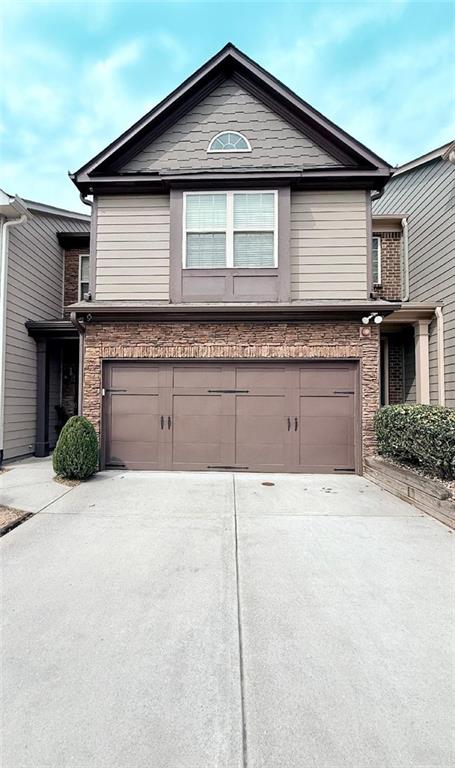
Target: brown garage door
(268,417)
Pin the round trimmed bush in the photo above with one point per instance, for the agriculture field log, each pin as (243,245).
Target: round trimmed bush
(76,453)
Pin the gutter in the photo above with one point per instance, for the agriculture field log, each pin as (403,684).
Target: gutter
(4,238)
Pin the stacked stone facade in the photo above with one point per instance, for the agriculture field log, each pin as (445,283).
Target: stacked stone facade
(390,285)
(233,341)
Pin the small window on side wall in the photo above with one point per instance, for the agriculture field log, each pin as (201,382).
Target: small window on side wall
(83,276)
(376,260)
(229,141)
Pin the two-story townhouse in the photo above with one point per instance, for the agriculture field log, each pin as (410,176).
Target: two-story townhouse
(230,320)
(32,275)
(414,262)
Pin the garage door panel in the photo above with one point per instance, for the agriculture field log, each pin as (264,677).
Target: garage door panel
(327,406)
(259,377)
(326,435)
(198,430)
(261,431)
(327,458)
(133,377)
(328,430)
(134,455)
(326,378)
(198,376)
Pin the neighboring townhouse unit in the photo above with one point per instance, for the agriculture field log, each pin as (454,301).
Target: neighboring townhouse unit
(31,289)
(230,269)
(414,262)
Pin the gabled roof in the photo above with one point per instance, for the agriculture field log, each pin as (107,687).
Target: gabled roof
(231,62)
(443,152)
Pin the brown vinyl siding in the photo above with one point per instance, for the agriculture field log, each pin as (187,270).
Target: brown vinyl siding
(132,248)
(34,292)
(425,194)
(274,142)
(328,245)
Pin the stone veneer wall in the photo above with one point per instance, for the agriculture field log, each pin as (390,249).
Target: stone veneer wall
(234,341)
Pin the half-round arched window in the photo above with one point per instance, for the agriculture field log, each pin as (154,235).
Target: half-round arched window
(229,141)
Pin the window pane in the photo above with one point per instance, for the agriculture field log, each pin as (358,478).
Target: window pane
(206,211)
(254,210)
(253,249)
(84,268)
(375,259)
(84,289)
(229,141)
(206,250)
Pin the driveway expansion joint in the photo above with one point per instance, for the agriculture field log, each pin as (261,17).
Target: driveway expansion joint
(239,629)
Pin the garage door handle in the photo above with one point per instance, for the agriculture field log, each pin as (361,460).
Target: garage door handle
(162,422)
(289,424)
(169,422)
(296,424)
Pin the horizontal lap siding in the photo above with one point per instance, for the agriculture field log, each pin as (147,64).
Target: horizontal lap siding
(274,142)
(35,292)
(425,195)
(328,245)
(132,248)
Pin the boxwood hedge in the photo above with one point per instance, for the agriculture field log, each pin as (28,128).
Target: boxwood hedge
(420,435)
(76,453)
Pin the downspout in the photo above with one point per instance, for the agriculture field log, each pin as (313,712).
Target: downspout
(84,200)
(5,227)
(440,355)
(404,224)
(80,327)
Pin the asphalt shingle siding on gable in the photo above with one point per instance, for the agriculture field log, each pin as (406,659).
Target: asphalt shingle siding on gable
(427,195)
(34,292)
(274,142)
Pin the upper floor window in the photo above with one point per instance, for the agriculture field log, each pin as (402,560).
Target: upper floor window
(83,276)
(376,259)
(230,229)
(229,141)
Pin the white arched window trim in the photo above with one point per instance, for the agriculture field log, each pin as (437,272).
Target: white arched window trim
(234,133)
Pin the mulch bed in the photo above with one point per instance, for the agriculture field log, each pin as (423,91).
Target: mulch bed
(10,518)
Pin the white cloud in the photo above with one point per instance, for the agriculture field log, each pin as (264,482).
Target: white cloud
(58,112)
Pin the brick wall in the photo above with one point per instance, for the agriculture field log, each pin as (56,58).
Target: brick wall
(395,370)
(238,341)
(71,275)
(390,287)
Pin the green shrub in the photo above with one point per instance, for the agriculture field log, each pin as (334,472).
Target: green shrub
(422,435)
(76,453)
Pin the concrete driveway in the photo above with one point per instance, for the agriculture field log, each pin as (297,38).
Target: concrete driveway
(210,621)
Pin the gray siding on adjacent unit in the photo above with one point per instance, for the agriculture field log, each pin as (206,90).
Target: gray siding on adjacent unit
(34,292)
(328,245)
(427,195)
(274,142)
(132,248)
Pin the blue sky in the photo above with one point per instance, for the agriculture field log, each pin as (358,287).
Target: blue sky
(76,74)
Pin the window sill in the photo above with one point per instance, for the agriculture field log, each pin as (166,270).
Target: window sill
(222,271)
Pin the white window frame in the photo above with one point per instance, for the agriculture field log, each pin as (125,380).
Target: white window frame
(79,284)
(226,130)
(229,229)
(378,238)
